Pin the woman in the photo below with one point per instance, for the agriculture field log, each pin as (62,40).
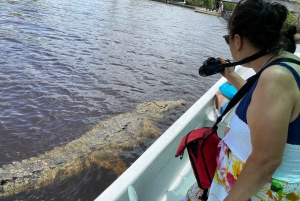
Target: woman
(259,157)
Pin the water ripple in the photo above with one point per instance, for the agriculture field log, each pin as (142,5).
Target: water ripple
(67,65)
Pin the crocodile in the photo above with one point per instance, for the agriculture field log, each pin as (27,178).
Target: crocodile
(99,146)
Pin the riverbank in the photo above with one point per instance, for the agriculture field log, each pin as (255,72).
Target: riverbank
(209,12)
(196,8)
(177,3)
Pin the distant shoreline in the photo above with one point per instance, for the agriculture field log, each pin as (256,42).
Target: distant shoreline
(196,8)
(177,3)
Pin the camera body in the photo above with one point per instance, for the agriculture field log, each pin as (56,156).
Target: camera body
(211,66)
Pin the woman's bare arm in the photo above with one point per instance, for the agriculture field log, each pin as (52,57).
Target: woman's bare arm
(268,117)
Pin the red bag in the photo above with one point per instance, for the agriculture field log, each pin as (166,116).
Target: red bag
(202,147)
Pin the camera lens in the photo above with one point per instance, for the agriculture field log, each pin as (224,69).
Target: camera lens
(202,71)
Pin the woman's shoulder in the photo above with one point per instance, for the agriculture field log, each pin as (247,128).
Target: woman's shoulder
(282,76)
(283,68)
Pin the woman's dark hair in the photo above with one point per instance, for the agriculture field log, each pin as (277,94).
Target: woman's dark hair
(287,39)
(259,22)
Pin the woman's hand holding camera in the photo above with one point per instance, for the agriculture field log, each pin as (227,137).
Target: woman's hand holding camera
(233,78)
(227,71)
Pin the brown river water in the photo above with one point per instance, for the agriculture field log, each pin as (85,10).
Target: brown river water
(66,65)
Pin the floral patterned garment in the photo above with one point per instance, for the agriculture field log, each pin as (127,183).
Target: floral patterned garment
(228,169)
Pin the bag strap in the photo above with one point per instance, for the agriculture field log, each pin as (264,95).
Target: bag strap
(245,88)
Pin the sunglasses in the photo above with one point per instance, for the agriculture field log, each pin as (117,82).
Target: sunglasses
(226,37)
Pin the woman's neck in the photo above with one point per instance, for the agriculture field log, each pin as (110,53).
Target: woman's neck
(261,62)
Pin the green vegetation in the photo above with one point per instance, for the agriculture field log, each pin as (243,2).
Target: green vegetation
(291,18)
(195,2)
(229,6)
(294,18)
(208,3)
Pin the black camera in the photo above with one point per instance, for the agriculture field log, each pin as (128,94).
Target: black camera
(211,66)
